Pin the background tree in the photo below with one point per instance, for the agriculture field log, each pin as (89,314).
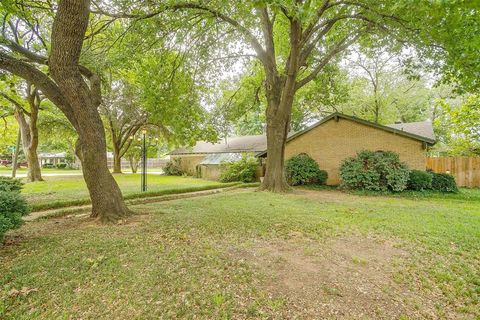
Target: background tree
(25,108)
(147,83)
(123,118)
(58,134)
(451,29)
(381,91)
(240,108)
(461,125)
(295,41)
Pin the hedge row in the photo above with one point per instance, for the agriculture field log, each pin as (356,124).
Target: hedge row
(383,171)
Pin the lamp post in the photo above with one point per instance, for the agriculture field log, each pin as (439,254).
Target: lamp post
(144,161)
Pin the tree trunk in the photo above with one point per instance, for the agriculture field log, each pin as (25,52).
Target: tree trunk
(68,32)
(29,133)
(274,179)
(280,92)
(15,154)
(133,163)
(117,162)
(107,200)
(280,101)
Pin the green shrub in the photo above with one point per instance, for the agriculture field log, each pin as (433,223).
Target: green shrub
(173,168)
(12,207)
(242,170)
(61,165)
(301,169)
(375,171)
(419,180)
(9,184)
(443,182)
(47,165)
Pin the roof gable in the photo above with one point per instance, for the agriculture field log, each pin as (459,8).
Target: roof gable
(403,129)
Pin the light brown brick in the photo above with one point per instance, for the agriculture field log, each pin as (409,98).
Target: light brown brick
(333,141)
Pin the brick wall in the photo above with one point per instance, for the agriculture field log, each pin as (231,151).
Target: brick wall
(333,141)
(189,162)
(210,172)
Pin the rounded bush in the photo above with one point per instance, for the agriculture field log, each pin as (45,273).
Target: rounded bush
(443,182)
(419,180)
(303,169)
(12,207)
(173,168)
(10,184)
(242,170)
(375,171)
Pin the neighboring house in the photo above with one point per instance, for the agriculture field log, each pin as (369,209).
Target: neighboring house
(328,141)
(52,158)
(212,154)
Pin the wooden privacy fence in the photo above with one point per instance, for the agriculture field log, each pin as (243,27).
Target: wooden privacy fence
(466,170)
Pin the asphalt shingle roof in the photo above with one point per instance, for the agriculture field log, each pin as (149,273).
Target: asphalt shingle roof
(423,128)
(233,145)
(258,144)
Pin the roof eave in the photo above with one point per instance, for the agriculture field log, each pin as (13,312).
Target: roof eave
(430,142)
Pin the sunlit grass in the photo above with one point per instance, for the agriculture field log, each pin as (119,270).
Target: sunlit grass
(63,190)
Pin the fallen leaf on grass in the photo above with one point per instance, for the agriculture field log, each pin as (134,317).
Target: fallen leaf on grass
(22,292)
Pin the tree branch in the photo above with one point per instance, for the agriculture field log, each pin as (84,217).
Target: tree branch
(48,87)
(251,39)
(340,46)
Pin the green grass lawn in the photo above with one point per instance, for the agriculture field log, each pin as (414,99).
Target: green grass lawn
(246,254)
(58,190)
(7,170)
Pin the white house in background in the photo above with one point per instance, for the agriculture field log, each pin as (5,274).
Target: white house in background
(52,158)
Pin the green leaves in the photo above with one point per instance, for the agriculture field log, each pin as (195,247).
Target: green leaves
(302,169)
(460,125)
(374,171)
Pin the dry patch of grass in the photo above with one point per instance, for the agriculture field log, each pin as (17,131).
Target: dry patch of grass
(349,277)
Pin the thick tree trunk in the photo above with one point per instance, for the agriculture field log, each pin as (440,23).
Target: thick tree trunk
(68,32)
(280,100)
(279,91)
(274,179)
(107,200)
(278,124)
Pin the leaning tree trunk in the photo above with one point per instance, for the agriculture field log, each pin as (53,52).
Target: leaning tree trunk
(68,32)
(29,133)
(107,201)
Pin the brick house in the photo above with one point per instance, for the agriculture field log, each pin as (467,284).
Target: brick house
(328,141)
